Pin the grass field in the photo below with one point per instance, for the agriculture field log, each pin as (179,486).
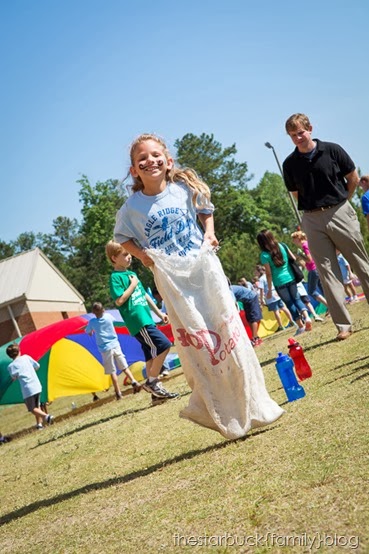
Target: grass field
(125,477)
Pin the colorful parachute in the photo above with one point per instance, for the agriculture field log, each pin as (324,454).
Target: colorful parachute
(70,363)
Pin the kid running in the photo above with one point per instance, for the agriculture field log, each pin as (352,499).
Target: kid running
(158,225)
(134,305)
(23,368)
(107,341)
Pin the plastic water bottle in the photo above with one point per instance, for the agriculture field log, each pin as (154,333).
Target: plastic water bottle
(284,366)
(302,368)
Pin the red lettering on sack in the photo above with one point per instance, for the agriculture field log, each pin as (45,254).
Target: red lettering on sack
(211,341)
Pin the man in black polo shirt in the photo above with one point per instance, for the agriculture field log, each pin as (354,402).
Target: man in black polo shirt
(322,177)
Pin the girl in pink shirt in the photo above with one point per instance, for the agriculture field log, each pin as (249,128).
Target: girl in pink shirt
(314,284)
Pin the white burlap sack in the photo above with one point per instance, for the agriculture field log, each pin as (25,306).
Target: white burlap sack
(219,363)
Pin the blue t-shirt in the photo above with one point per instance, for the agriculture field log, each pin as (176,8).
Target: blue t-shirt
(365,203)
(105,333)
(166,221)
(343,267)
(263,283)
(23,368)
(242,294)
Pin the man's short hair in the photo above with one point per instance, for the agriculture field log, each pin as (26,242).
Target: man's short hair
(295,120)
(12,350)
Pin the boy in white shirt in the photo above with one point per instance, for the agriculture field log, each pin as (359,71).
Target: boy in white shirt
(23,368)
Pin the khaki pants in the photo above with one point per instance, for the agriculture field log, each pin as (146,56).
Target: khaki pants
(337,227)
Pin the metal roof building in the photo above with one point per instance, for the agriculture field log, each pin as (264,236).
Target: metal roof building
(34,293)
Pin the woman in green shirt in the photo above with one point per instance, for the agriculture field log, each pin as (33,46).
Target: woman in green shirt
(274,257)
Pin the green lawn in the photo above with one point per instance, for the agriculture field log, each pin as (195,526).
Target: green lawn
(126,477)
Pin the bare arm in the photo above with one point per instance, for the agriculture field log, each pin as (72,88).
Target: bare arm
(307,257)
(268,274)
(127,293)
(207,221)
(262,301)
(138,252)
(352,181)
(349,270)
(291,254)
(156,310)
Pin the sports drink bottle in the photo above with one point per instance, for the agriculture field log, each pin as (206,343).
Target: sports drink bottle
(302,368)
(284,366)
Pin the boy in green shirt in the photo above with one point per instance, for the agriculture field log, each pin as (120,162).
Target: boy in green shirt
(134,306)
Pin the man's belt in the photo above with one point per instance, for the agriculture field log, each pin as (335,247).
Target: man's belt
(323,208)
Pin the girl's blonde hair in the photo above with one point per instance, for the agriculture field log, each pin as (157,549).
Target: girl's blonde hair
(299,235)
(186,175)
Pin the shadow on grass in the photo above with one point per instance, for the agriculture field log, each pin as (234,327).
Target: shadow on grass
(99,422)
(334,340)
(88,425)
(47,502)
(356,360)
(361,377)
(88,407)
(352,372)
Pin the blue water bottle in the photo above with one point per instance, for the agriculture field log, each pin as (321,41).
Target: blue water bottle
(284,366)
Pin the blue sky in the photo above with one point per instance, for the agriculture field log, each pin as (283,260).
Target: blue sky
(82,78)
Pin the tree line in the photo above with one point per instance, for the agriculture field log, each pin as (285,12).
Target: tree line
(77,248)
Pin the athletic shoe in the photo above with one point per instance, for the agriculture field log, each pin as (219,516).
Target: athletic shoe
(299,331)
(317,318)
(136,387)
(280,329)
(49,419)
(157,389)
(118,396)
(164,372)
(39,426)
(95,398)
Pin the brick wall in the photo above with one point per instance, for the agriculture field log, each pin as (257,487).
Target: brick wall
(28,322)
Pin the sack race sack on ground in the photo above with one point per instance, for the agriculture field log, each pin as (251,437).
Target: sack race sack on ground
(219,363)
(297,272)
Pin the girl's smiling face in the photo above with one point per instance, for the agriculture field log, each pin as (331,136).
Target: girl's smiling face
(150,163)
